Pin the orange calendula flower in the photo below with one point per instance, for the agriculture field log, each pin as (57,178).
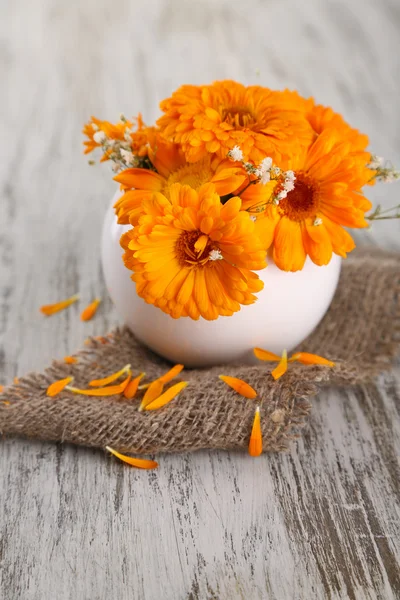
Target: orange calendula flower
(111,390)
(58,386)
(167,396)
(212,119)
(110,378)
(194,256)
(240,386)
(70,360)
(89,312)
(266,355)
(255,443)
(309,219)
(311,359)
(140,463)
(132,387)
(153,391)
(51,309)
(171,167)
(281,368)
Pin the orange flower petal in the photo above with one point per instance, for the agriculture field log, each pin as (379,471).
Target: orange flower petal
(167,396)
(281,368)
(89,312)
(6,402)
(111,390)
(255,443)
(132,387)
(110,378)
(153,391)
(167,377)
(266,355)
(51,309)
(1,389)
(140,463)
(57,387)
(240,386)
(70,360)
(311,359)
(16,381)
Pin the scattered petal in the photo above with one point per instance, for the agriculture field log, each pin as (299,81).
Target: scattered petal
(16,381)
(240,386)
(6,402)
(266,355)
(153,391)
(255,443)
(89,312)
(110,378)
(70,360)
(51,309)
(58,386)
(140,463)
(1,389)
(132,387)
(311,359)
(281,368)
(167,396)
(167,377)
(111,390)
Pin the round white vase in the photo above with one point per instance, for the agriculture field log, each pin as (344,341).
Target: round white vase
(287,310)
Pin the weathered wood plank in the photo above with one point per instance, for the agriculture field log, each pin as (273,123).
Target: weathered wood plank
(320,522)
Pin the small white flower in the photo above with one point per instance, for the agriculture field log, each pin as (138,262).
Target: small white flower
(263,176)
(288,185)
(266,164)
(122,117)
(290,176)
(376,162)
(116,168)
(318,221)
(95,127)
(253,218)
(127,136)
(127,156)
(215,255)
(275,201)
(282,195)
(235,154)
(99,137)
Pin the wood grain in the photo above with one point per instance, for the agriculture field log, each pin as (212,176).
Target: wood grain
(321,522)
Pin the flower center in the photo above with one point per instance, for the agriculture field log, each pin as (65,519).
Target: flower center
(193,248)
(303,201)
(193,175)
(238,116)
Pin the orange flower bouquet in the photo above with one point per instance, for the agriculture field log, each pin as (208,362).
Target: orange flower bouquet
(231,178)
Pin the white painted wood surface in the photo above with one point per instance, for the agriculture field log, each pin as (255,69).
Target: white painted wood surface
(321,522)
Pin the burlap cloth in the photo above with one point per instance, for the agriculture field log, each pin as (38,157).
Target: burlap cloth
(361,331)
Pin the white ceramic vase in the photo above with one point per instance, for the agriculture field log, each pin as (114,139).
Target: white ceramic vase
(287,310)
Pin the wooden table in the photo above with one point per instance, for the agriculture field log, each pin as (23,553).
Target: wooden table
(320,522)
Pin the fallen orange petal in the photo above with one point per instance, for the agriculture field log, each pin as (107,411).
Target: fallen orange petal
(132,387)
(70,360)
(311,359)
(1,389)
(167,396)
(266,355)
(110,378)
(50,309)
(16,381)
(281,368)
(167,377)
(57,387)
(255,443)
(6,402)
(141,463)
(153,391)
(111,390)
(240,386)
(89,312)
